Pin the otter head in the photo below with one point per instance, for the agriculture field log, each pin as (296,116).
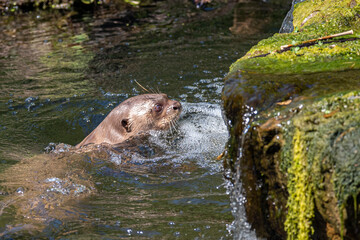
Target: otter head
(149,112)
(135,115)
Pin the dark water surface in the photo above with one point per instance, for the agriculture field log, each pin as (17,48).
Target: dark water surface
(61,73)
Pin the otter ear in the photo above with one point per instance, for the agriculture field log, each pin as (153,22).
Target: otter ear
(125,123)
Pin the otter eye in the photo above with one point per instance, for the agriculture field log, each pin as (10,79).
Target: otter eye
(158,108)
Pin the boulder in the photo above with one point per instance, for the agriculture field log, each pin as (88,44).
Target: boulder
(292,108)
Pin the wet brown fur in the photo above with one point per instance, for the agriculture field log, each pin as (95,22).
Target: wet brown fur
(135,115)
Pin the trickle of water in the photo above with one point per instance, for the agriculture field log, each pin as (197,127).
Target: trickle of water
(240,228)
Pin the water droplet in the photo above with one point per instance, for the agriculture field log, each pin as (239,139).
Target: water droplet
(31,99)
(20,191)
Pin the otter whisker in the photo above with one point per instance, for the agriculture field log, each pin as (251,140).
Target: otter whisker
(175,126)
(173,129)
(153,91)
(141,86)
(158,91)
(170,126)
(168,123)
(175,122)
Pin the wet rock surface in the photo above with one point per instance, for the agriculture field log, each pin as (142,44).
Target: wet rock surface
(294,125)
(299,154)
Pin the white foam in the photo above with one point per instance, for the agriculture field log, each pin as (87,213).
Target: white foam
(201,135)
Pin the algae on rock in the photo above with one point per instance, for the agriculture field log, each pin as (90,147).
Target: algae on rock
(330,132)
(300,203)
(300,153)
(312,19)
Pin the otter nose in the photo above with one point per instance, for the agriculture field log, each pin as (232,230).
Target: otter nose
(177,106)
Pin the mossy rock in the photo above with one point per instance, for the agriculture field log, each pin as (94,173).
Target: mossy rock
(321,158)
(294,121)
(312,19)
(301,154)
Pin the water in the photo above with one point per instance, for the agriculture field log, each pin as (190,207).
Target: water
(61,74)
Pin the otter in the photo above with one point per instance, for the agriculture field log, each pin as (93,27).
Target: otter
(135,115)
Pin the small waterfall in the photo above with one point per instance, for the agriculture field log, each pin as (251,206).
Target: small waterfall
(240,228)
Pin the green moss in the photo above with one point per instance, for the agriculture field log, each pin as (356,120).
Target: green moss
(301,200)
(320,154)
(312,19)
(325,15)
(313,155)
(325,141)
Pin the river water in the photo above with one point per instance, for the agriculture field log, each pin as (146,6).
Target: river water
(63,72)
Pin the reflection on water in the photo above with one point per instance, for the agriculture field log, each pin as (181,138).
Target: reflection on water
(61,74)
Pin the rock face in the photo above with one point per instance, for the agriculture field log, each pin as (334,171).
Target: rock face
(294,120)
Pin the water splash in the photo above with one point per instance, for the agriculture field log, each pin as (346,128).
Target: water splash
(201,135)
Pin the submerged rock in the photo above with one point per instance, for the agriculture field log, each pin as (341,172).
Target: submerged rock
(294,120)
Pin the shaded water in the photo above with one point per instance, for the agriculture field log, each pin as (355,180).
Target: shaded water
(62,73)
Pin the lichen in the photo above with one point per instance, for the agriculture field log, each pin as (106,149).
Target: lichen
(301,200)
